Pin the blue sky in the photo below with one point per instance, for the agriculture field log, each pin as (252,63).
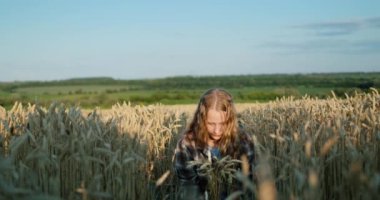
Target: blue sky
(61,39)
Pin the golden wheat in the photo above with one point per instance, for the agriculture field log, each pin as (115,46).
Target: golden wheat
(306,149)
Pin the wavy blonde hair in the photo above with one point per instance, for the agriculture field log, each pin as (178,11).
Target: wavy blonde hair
(219,100)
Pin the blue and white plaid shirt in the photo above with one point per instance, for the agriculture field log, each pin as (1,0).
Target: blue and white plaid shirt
(193,185)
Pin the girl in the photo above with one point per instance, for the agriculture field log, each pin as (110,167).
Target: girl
(213,133)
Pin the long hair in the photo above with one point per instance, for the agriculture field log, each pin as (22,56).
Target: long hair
(219,100)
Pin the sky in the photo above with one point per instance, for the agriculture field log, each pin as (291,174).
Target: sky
(63,39)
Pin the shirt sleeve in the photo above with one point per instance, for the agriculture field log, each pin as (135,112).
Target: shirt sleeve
(184,172)
(192,186)
(247,148)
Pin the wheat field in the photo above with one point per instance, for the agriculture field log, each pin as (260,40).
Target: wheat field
(306,149)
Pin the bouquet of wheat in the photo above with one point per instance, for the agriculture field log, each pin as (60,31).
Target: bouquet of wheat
(220,173)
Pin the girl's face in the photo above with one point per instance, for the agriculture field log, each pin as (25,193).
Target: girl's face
(215,124)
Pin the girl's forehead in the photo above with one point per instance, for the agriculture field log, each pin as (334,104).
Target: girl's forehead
(216,115)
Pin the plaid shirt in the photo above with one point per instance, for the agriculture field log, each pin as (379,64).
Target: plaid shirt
(193,185)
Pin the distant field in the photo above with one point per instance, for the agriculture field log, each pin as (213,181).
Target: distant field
(105,92)
(104,96)
(70,89)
